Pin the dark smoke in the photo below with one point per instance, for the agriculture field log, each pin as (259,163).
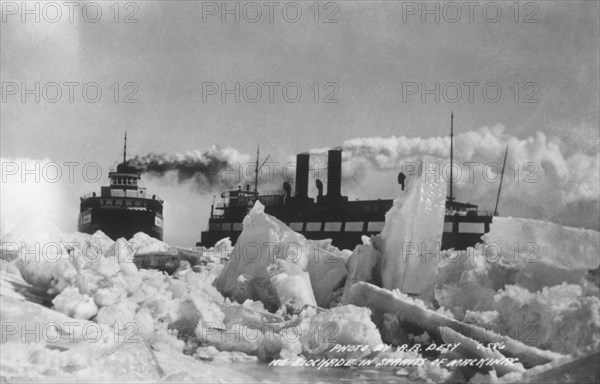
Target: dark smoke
(216,167)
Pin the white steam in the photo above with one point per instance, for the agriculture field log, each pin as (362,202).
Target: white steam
(543,180)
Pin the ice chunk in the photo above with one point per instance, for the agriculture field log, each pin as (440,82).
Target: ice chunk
(361,266)
(414,311)
(143,319)
(248,315)
(45,269)
(200,285)
(552,244)
(213,354)
(105,266)
(263,240)
(74,304)
(123,253)
(109,295)
(100,239)
(291,283)
(344,325)
(69,350)
(132,359)
(240,338)
(581,370)
(208,311)
(414,226)
(120,315)
(536,276)
(223,246)
(144,243)
(558,318)
(328,272)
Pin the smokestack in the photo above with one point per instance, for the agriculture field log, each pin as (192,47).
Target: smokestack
(302,164)
(334,174)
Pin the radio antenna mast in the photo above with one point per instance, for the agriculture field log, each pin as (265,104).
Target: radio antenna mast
(500,186)
(258,168)
(125,148)
(451,153)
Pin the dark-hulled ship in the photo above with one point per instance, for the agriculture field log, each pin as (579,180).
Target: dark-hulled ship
(331,215)
(123,207)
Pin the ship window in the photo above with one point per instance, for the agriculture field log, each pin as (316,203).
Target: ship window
(114,202)
(296,226)
(470,227)
(237,226)
(312,227)
(333,227)
(375,226)
(226,226)
(354,226)
(448,226)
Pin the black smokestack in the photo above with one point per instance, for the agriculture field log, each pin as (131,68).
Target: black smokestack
(209,169)
(334,174)
(302,165)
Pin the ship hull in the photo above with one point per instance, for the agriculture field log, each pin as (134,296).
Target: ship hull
(346,225)
(120,222)
(348,240)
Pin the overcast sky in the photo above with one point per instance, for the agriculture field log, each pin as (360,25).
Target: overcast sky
(364,61)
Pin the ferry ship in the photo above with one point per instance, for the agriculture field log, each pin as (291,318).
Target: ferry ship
(333,216)
(123,207)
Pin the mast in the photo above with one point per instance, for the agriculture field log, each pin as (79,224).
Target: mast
(125,148)
(500,186)
(451,153)
(256,172)
(258,168)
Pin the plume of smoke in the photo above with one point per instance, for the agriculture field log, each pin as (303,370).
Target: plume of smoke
(207,170)
(542,180)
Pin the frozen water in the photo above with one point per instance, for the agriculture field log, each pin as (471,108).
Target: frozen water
(344,325)
(74,304)
(413,226)
(273,264)
(362,266)
(185,313)
(549,243)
